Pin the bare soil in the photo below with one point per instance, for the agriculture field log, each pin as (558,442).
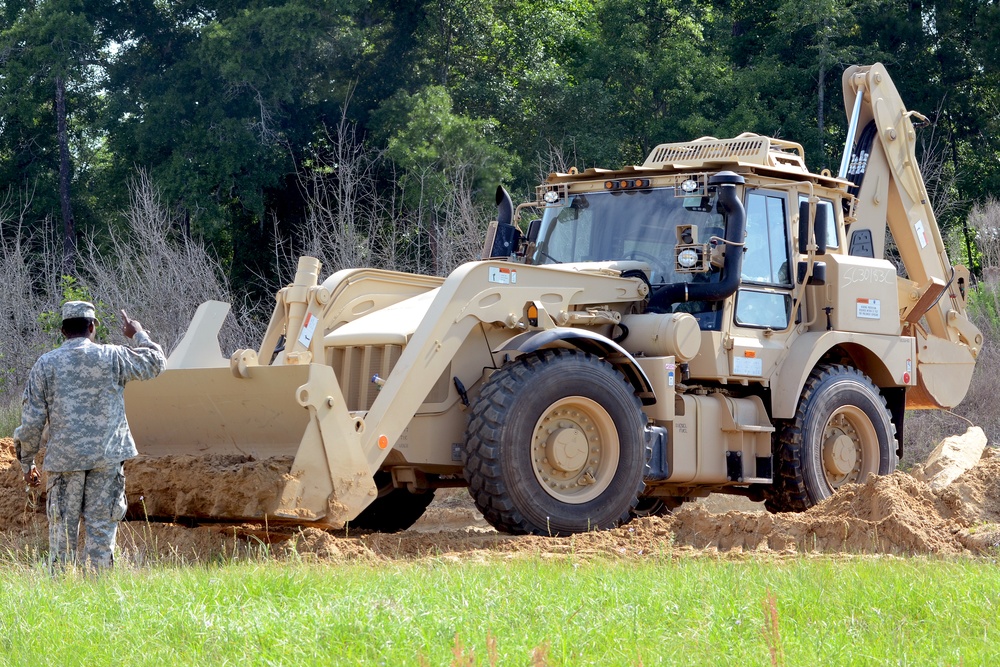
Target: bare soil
(895,514)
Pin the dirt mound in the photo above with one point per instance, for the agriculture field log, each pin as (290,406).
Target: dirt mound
(17,507)
(895,514)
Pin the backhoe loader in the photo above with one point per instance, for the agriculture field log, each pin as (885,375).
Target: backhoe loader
(717,319)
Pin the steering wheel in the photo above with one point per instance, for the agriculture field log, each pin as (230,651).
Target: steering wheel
(655,263)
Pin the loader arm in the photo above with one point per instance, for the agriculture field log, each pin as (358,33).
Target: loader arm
(891,193)
(343,297)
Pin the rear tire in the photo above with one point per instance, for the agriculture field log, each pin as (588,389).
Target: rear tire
(555,445)
(656,506)
(842,431)
(394,509)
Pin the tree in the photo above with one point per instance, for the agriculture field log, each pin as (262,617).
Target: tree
(448,162)
(218,100)
(648,67)
(52,70)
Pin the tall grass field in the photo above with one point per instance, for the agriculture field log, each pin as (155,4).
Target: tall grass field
(524,611)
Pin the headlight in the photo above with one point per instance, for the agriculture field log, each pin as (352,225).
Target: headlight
(687,258)
(551,197)
(690,185)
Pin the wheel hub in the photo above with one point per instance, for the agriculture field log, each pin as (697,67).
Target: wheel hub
(850,447)
(566,449)
(574,450)
(840,454)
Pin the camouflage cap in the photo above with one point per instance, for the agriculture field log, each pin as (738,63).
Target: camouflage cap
(74,309)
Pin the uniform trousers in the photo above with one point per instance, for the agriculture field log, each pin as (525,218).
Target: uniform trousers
(97,498)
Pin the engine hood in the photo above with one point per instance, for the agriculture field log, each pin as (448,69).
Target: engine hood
(392,325)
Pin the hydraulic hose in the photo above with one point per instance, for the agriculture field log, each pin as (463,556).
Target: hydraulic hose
(859,157)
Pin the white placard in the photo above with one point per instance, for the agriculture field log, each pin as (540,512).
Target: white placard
(748,366)
(308,328)
(869,309)
(503,275)
(918,226)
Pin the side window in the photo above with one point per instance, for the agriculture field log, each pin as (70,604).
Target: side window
(757,308)
(765,262)
(832,240)
(766,258)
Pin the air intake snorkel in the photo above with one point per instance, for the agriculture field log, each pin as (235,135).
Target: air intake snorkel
(503,237)
(736,226)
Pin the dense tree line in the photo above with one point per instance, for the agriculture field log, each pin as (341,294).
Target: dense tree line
(380,128)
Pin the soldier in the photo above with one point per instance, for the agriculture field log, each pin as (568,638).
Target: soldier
(77,390)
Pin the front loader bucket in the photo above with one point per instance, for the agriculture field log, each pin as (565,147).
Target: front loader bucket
(277,445)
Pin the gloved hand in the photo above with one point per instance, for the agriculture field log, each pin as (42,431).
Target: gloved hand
(32,478)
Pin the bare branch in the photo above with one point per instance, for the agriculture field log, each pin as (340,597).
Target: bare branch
(160,276)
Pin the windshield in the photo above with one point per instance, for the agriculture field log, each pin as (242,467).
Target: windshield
(632,224)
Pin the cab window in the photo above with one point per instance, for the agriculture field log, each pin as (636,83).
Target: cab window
(765,260)
(763,309)
(765,265)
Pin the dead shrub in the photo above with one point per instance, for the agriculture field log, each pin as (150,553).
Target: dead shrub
(160,277)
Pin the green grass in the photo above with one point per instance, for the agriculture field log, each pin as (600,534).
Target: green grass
(520,612)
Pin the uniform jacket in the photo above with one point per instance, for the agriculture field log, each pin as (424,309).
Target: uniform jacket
(78,390)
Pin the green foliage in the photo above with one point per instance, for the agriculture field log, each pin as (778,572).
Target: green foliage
(72,290)
(433,146)
(221,102)
(449,168)
(984,309)
(983,303)
(10,416)
(40,42)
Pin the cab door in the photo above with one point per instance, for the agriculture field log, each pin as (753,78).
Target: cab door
(762,313)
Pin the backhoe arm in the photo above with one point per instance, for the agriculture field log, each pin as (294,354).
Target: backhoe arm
(891,192)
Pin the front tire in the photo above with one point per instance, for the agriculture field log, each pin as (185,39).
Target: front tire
(555,445)
(842,432)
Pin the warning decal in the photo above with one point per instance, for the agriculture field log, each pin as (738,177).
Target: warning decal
(503,275)
(869,309)
(308,328)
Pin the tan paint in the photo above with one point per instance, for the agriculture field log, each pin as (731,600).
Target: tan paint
(712,425)
(673,334)
(890,358)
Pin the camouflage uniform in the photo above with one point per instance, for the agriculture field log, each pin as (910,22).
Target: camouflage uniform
(78,391)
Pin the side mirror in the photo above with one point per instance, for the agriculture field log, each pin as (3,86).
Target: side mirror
(502,237)
(820,227)
(505,242)
(533,228)
(803,227)
(818,276)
